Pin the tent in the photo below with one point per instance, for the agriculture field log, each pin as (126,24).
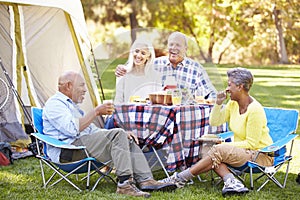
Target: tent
(38,41)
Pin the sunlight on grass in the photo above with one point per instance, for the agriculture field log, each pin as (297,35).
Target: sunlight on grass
(277,82)
(274,86)
(295,163)
(12,178)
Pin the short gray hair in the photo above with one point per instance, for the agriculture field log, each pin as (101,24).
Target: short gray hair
(177,33)
(241,76)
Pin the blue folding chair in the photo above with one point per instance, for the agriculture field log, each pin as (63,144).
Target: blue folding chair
(88,165)
(282,124)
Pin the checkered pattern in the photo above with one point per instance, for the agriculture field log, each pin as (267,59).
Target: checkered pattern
(173,127)
(188,74)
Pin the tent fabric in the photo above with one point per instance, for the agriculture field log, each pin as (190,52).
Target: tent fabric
(39,40)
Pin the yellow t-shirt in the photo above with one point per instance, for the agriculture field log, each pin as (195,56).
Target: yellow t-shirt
(250,128)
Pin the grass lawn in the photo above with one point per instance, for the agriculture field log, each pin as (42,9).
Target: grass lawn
(274,86)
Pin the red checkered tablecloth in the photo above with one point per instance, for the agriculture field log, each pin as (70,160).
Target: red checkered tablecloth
(171,127)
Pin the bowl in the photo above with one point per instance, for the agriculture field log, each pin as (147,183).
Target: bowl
(158,98)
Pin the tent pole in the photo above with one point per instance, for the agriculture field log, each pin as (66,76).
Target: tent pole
(100,118)
(98,77)
(15,92)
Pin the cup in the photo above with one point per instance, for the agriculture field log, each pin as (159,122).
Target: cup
(176,97)
(133,98)
(108,101)
(111,102)
(199,95)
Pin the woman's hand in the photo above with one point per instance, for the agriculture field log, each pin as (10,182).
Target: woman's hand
(120,71)
(131,136)
(221,96)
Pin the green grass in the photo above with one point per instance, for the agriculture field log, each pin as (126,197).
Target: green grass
(274,86)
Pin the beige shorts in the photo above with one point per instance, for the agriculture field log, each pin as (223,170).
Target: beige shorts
(235,156)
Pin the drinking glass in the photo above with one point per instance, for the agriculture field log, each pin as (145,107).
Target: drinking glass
(199,95)
(176,97)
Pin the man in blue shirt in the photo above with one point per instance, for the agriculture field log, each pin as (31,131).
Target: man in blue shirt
(64,120)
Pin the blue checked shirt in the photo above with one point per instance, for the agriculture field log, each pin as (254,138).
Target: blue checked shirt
(188,74)
(61,121)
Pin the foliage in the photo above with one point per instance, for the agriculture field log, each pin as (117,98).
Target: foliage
(226,31)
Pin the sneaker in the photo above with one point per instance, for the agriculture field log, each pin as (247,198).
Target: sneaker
(234,186)
(128,188)
(153,185)
(179,182)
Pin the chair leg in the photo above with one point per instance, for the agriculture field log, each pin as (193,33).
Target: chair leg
(104,175)
(158,159)
(201,180)
(62,176)
(42,172)
(251,179)
(160,162)
(88,175)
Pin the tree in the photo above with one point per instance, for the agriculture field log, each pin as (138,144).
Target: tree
(282,54)
(233,31)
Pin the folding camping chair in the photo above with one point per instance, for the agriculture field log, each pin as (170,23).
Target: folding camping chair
(155,158)
(282,124)
(88,165)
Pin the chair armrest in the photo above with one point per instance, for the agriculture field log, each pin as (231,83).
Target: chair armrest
(225,135)
(55,142)
(279,144)
(221,137)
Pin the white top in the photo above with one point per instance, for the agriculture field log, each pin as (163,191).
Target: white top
(137,85)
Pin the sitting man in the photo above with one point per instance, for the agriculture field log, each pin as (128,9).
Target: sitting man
(64,120)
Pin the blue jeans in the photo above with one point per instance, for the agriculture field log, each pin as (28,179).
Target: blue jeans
(109,124)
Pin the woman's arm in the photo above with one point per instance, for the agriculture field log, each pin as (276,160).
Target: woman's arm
(217,115)
(120,89)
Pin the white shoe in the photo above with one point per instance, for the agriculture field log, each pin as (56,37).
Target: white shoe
(179,182)
(234,186)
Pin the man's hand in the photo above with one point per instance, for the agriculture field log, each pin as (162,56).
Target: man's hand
(120,71)
(133,137)
(105,109)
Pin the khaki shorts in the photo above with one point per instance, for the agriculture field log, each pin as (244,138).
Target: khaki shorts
(235,156)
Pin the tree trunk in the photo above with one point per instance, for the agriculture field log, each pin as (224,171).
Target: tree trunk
(211,45)
(212,34)
(282,53)
(133,21)
(222,53)
(198,42)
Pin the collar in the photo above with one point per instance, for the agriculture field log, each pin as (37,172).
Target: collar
(64,97)
(67,99)
(181,64)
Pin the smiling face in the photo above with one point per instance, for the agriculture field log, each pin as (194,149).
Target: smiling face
(177,47)
(72,85)
(233,90)
(78,89)
(141,55)
(240,81)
